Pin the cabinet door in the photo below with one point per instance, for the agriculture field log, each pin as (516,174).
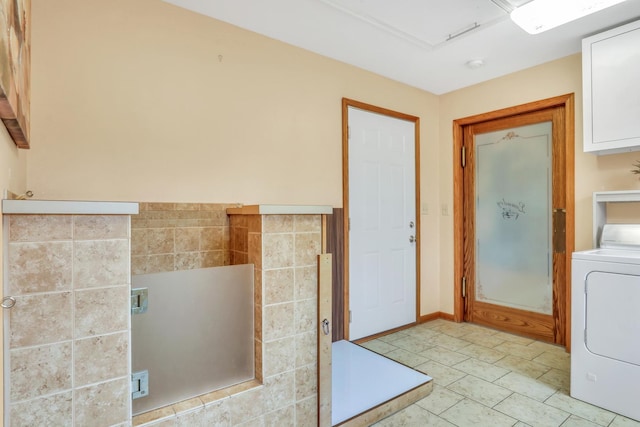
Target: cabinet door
(611,66)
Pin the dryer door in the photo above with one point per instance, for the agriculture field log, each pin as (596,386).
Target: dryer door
(613,315)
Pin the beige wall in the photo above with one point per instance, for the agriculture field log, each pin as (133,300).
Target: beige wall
(143,101)
(592,173)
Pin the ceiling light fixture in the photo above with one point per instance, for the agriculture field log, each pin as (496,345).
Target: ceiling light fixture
(542,15)
(475,63)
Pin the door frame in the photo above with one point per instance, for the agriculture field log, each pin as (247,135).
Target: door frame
(346,103)
(567,102)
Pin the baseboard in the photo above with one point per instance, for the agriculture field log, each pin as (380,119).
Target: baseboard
(436,315)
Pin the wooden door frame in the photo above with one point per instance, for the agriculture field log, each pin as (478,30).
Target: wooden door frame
(346,103)
(567,101)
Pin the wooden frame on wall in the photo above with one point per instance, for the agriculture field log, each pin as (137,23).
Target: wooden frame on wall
(15,68)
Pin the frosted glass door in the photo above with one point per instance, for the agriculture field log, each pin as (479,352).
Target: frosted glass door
(513,218)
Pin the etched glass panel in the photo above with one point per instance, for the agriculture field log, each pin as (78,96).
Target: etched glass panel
(513,218)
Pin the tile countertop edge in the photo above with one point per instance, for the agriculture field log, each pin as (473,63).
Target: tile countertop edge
(281,210)
(67,207)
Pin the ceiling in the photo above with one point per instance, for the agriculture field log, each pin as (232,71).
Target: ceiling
(423,43)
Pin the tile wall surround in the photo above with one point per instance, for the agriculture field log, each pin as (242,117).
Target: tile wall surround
(70,327)
(69,342)
(179,236)
(283,249)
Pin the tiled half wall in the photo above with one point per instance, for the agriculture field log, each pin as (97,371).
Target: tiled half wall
(69,334)
(283,249)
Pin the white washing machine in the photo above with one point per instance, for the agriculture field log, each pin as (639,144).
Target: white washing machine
(605,322)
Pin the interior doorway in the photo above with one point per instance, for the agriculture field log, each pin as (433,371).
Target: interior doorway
(380,187)
(514,218)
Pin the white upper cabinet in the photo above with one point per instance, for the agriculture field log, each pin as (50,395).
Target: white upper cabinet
(611,90)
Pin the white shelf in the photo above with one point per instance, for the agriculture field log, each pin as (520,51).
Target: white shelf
(67,207)
(600,200)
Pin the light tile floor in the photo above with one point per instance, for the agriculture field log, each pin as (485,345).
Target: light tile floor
(483,377)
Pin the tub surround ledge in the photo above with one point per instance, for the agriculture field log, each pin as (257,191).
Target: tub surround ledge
(67,207)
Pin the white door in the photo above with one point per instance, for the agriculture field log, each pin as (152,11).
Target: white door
(382,223)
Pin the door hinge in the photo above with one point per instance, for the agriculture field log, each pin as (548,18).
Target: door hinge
(464,287)
(139,300)
(139,384)
(348,132)
(349,225)
(463,156)
(350,317)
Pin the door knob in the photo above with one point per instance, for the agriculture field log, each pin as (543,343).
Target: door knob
(412,239)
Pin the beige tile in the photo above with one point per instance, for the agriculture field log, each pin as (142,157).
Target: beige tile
(278,321)
(95,227)
(307,223)
(531,411)
(307,248)
(522,366)
(160,263)
(306,348)
(414,416)
(518,350)
(442,375)
(379,346)
(192,418)
(439,400)
(620,421)
(556,378)
(306,382)
(103,404)
(255,251)
(101,311)
(480,390)
(470,413)
(188,261)
(574,421)
(139,245)
(444,356)
(40,267)
(157,415)
(555,359)
(100,358)
(277,223)
(100,263)
(160,240)
(279,391)
(306,282)
(581,409)
(38,371)
(449,342)
(307,412)
(41,319)
(278,285)
(489,355)
(246,406)
(284,417)
(483,339)
(277,250)
(213,259)
(516,339)
(306,315)
(139,265)
(54,410)
(452,329)
(279,356)
(481,369)
(421,332)
(526,386)
(187,239)
(413,345)
(39,228)
(217,413)
(407,358)
(212,239)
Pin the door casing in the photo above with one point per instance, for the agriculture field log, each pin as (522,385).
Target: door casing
(346,103)
(565,101)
